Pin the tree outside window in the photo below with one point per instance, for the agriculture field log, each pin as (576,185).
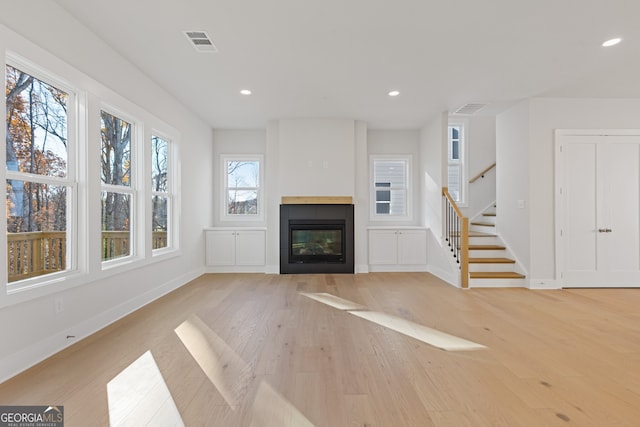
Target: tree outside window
(38,182)
(160,194)
(116,186)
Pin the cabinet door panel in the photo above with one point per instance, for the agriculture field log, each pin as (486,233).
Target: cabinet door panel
(383,247)
(412,247)
(220,247)
(250,247)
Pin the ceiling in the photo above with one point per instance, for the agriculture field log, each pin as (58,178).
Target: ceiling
(340,58)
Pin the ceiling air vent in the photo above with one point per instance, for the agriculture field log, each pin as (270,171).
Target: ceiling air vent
(469,109)
(201,41)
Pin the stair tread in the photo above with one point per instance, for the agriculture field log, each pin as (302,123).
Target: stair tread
(495,275)
(486,248)
(486,224)
(489,214)
(491,261)
(475,234)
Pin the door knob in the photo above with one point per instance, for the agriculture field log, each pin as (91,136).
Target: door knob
(602,230)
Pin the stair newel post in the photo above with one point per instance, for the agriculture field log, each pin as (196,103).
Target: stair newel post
(464,254)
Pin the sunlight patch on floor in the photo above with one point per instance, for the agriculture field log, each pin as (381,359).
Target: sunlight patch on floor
(425,334)
(139,396)
(333,301)
(271,409)
(224,368)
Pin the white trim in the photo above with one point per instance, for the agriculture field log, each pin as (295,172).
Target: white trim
(463,151)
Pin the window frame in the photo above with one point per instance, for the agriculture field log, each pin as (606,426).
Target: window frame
(407,160)
(91,96)
(74,255)
(224,215)
(132,190)
(170,193)
(460,163)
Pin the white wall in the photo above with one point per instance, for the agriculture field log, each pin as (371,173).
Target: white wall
(433,157)
(433,176)
(317,157)
(31,330)
(481,153)
(513,177)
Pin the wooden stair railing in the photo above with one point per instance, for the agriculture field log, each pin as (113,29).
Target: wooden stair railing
(456,231)
(481,174)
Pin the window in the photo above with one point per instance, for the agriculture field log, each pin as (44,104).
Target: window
(40,178)
(390,189)
(456,176)
(71,218)
(117,191)
(242,190)
(160,193)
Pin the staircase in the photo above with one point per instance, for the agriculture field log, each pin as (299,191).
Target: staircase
(490,264)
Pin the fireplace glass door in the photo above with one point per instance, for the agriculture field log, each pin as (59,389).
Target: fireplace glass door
(317,243)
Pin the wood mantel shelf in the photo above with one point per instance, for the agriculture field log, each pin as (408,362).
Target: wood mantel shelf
(317,200)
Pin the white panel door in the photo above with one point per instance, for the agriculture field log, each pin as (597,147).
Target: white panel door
(600,232)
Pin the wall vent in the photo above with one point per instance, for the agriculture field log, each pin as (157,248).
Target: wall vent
(201,41)
(469,108)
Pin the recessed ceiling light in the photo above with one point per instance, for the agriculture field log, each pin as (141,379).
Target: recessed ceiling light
(394,93)
(245,92)
(612,42)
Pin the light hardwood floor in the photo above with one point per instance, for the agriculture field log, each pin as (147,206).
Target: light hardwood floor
(251,349)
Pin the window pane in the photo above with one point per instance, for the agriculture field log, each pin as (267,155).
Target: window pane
(454,150)
(36,118)
(116,217)
(116,150)
(383,196)
(390,172)
(36,229)
(242,174)
(159,153)
(159,222)
(242,202)
(383,208)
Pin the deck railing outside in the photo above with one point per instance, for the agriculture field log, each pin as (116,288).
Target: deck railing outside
(37,253)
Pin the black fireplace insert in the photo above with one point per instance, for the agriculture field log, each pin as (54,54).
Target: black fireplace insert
(316,239)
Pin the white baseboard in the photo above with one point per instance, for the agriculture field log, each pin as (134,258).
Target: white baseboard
(544,284)
(236,269)
(394,268)
(447,276)
(22,360)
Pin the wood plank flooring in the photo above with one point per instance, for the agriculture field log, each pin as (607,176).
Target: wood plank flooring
(252,350)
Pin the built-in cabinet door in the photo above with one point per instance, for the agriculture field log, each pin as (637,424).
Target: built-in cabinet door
(412,247)
(398,247)
(221,247)
(383,247)
(250,247)
(600,224)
